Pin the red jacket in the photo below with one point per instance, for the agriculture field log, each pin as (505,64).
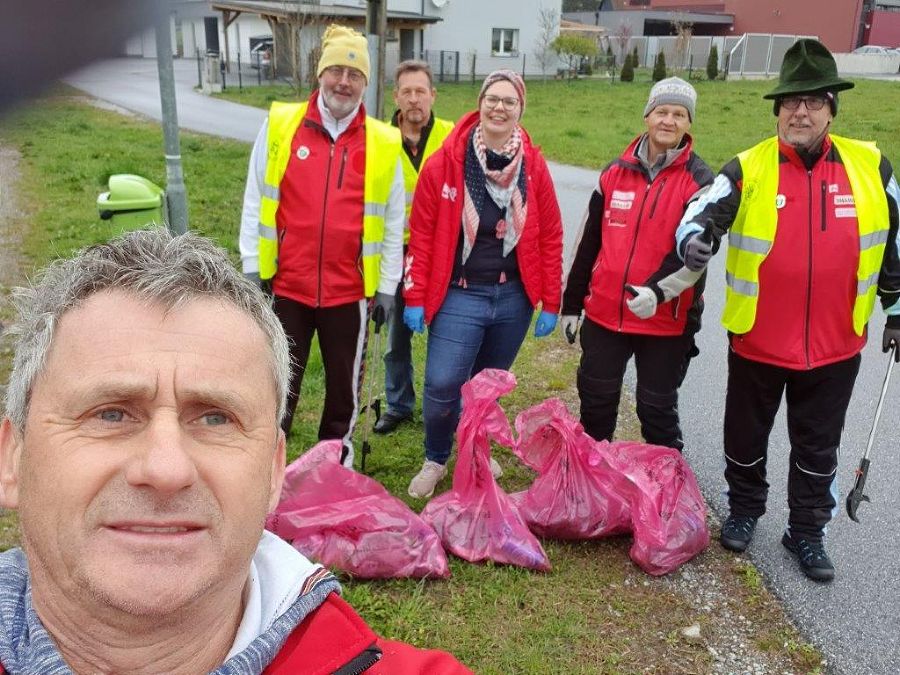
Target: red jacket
(320,215)
(436,225)
(335,639)
(628,239)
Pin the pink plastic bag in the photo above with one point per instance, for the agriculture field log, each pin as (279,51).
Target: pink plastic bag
(349,521)
(668,513)
(476,520)
(576,495)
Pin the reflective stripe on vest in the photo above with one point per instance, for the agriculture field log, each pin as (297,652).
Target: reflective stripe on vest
(751,236)
(439,131)
(382,151)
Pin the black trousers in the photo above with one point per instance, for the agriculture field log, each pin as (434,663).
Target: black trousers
(661,363)
(342,341)
(817,401)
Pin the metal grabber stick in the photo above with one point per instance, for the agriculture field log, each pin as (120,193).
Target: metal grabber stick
(379,321)
(857,496)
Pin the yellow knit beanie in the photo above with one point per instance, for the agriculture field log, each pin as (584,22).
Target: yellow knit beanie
(343,46)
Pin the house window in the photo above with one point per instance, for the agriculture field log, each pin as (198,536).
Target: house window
(505,42)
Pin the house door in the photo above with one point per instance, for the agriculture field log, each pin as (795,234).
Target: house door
(211,24)
(407,44)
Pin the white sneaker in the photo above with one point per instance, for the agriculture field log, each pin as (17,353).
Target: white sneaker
(496,469)
(423,483)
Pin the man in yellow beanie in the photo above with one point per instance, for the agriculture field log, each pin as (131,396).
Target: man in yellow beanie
(323,224)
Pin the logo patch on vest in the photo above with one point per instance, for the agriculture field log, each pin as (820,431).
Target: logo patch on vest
(844,200)
(302,152)
(845,212)
(780,201)
(621,200)
(448,192)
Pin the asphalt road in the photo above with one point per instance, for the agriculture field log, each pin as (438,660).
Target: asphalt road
(854,620)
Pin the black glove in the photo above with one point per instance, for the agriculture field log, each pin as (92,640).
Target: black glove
(264,286)
(697,252)
(891,339)
(384,306)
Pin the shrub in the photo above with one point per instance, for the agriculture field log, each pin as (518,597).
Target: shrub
(712,63)
(659,68)
(627,74)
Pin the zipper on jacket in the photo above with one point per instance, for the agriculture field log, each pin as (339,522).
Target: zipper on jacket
(361,663)
(675,305)
(637,227)
(656,198)
(322,226)
(809,267)
(824,206)
(341,172)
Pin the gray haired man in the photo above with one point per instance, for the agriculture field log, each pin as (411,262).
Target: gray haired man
(141,446)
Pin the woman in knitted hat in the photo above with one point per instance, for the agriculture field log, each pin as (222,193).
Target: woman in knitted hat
(625,265)
(485,248)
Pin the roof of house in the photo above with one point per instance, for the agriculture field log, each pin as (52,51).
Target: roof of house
(293,11)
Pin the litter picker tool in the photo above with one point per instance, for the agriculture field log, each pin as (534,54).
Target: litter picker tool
(379,320)
(857,496)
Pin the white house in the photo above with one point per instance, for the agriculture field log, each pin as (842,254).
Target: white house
(454,36)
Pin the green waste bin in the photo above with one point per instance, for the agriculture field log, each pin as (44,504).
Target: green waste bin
(132,202)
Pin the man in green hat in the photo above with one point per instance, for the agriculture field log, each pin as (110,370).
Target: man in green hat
(812,239)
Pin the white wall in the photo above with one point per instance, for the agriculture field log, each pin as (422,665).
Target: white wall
(467,27)
(856,64)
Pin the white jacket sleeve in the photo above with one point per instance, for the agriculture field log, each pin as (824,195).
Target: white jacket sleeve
(392,245)
(248,241)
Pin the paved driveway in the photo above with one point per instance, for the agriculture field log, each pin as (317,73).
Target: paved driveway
(855,619)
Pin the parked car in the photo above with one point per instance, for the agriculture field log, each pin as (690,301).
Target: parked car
(874,49)
(261,51)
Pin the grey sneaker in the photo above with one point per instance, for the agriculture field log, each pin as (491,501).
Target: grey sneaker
(423,483)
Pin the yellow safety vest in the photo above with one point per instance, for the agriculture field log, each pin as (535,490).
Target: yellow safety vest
(750,237)
(382,150)
(439,131)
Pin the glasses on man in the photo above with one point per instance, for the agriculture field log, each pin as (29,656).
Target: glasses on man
(337,73)
(811,102)
(509,102)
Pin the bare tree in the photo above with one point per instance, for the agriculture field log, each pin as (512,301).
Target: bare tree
(684,31)
(623,37)
(548,27)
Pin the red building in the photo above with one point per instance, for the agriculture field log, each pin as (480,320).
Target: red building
(841,24)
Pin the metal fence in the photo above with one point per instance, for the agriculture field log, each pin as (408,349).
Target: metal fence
(752,54)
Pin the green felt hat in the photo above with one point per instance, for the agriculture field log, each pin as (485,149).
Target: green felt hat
(808,66)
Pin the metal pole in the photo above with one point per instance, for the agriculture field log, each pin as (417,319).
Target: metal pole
(176,195)
(376,22)
(199,69)
(240,78)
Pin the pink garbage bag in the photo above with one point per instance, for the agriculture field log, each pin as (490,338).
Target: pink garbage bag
(476,520)
(668,514)
(349,521)
(576,495)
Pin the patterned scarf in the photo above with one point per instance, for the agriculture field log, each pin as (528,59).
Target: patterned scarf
(505,186)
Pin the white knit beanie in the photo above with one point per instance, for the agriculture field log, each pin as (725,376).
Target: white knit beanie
(672,91)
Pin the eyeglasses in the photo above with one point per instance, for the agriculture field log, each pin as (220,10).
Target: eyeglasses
(337,72)
(509,102)
(811,102)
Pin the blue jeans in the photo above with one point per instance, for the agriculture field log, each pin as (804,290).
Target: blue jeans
(478,327)
(398,367)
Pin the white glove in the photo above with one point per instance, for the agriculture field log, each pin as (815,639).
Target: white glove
(643,304)
(570,326)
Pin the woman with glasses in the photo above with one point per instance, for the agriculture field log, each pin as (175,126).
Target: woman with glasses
(485,248)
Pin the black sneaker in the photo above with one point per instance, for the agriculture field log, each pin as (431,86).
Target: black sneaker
(737,531)
(811,555)
(390,421)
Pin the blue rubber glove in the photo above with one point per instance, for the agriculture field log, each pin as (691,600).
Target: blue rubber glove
(545,324)
(414,318)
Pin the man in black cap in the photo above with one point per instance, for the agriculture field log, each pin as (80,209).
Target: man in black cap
(812,223)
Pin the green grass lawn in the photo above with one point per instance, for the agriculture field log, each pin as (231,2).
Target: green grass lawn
(589,122)
(595,612)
